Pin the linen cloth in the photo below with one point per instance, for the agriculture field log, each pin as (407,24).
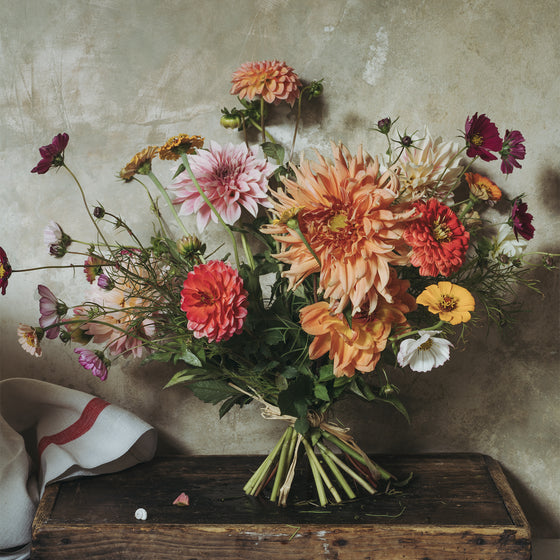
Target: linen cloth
(50,433)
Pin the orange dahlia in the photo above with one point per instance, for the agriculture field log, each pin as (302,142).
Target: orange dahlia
(358,347)
(451,302)
(272,80)
(438,239)
(482,187)
(347,217)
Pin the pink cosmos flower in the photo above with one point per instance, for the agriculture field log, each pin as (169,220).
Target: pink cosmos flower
(5,271)
(521,220)
(55,239)
(215,301)
(52,155)
(94,361)
(512,150)
(232,177)
(51,311)
(482,137)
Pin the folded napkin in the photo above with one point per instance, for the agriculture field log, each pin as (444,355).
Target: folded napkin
(50,433)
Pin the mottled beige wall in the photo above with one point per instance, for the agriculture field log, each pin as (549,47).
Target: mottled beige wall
(119,75)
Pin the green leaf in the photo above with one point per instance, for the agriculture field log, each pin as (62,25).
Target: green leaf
(212,390)
(394,400)
(275,151)
(301,426)
(182,376)
(229,403)
(321,392)
(326,372)
(190,358)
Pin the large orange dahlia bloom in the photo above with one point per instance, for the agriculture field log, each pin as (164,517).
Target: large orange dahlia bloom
(358,347)
(272,80)
(438,239)
(346,214)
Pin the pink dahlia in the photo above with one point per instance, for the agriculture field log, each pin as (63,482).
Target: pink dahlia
(482,137)
(512,150)
(438,239)
(215,301)
(232,177)
(272,80)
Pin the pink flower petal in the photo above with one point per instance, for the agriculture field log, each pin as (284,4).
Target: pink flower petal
(181,500)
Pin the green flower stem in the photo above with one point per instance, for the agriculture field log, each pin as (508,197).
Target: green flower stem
(293,224)
(316,475)
(259,128)
(326,453)
(282,462)
(248,252)
(32,269)
(154,206)
(466,209)
(352,473)
(435,327)
(94,222)
(262,121)
(264,468)
(163,192)
(298,118)
(185,161)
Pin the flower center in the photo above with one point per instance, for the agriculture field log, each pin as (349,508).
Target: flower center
(477,139)
(2,271)
(30,338)
(447,303)
(338,221)
(426,345)
(206,299)
(441,231)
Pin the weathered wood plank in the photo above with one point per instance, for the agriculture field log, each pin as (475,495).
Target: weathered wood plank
(456,507)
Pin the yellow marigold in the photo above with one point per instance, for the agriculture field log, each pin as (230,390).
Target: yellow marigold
(482,187)
(358,347)
(141,163)
(182,143)
(348,217)
(272,80)
(451,302)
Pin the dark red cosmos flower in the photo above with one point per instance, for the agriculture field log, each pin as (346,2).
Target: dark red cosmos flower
(52,155)
(512,150)
(521,220)
(482,137)
(5,270)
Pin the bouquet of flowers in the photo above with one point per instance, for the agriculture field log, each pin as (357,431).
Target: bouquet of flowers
(342,267)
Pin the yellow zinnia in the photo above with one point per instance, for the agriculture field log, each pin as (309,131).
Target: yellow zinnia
(451,302)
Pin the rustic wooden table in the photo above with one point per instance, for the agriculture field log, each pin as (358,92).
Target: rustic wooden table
(456,507)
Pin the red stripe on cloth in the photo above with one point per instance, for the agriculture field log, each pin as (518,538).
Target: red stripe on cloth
(78,428)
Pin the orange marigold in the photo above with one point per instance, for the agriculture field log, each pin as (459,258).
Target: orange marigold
(482,187)
(182,143)
(348,217)
(141,163)
(358,347)
(451,302)
(273,80)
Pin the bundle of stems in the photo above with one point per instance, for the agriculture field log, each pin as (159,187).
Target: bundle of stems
(332,473)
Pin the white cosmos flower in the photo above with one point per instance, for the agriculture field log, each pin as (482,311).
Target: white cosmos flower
(506,244)
(424,353)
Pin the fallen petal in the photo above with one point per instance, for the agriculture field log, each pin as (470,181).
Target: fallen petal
(181,500)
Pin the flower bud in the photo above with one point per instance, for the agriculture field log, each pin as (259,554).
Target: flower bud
(104,282)
(99,212)
(315,89)
(230,121)
(406,141)
(384,125)
(190,245)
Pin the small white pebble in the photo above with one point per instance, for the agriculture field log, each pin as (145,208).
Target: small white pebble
(141,514)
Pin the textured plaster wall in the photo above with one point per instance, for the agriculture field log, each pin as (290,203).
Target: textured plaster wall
(120,75)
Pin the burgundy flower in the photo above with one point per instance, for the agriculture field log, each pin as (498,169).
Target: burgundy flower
(512,150)
(94,361)
(521,220)
(52,155)
(51,311)
(5,270)
(482,137)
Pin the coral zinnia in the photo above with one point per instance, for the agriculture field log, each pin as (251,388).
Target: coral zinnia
(5,271)
(348,217)
(141,163)
(272,80)
(182,143)
(451,302)
(482,137)
(512,150)
(431,169)
(482,187)
(358,347)
(215,301)
(438,239)
(52,155)
(230,176)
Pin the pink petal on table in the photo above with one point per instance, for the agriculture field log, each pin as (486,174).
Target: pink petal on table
(181,500)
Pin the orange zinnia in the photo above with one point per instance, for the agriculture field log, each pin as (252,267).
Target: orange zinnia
(451,302)
(348,217)
(482,187)
(358,347)
(273,80)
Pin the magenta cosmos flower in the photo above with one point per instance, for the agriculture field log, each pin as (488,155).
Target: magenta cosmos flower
(512,151)
(521,220)
(52,155)
(94,361)
(51,310)
(232,178)
(482,137)
(5,271)
(215,301)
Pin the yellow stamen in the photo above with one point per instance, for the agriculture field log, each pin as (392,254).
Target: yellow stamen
(337,222)
(426,345)
(477,139)
(447,303)
(441,231)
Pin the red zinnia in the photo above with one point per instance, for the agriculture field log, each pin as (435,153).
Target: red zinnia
(52,155)
(5,270)
(512,150)
(482,137)
(438,239)
(215,301)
